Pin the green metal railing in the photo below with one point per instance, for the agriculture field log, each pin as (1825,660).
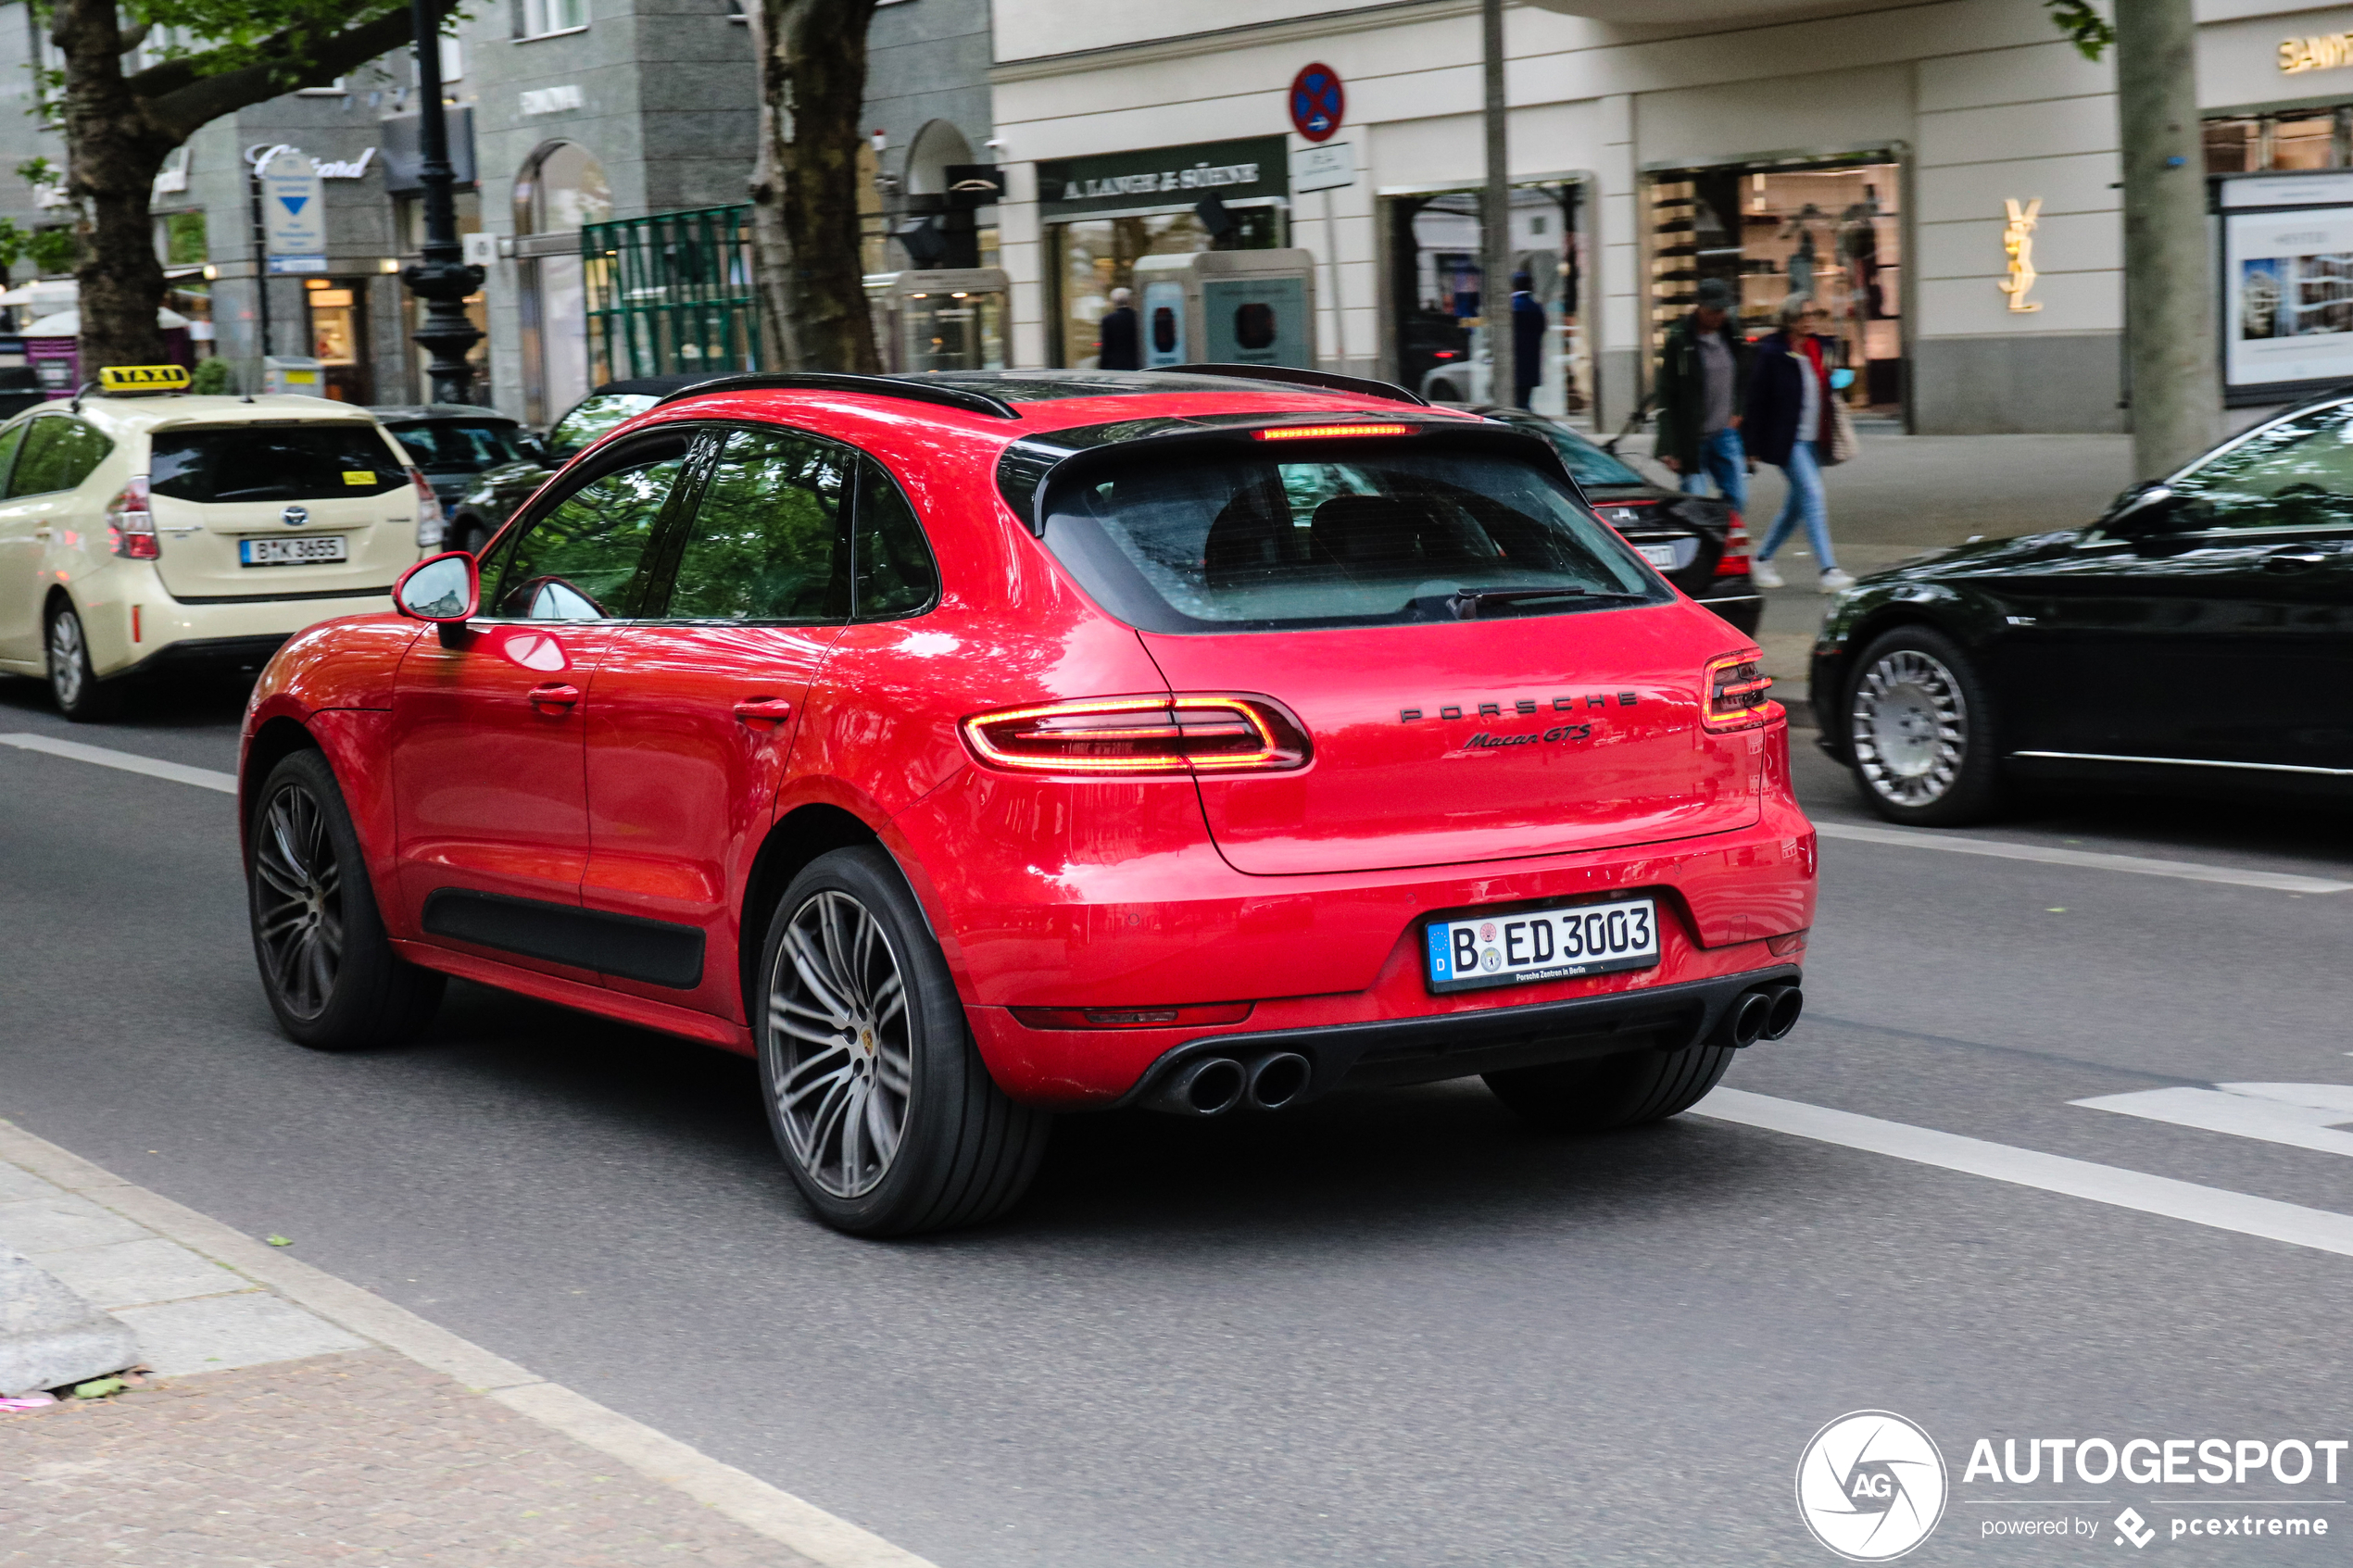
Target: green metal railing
(671,293)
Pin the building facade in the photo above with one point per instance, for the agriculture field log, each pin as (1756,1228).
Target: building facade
(1944,176)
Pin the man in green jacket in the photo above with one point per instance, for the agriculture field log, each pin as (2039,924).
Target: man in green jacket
(1703,372)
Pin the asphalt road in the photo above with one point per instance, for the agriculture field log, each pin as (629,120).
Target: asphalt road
(1391,1328)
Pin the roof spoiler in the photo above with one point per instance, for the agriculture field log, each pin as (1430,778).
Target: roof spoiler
(1386,391)
(911,388)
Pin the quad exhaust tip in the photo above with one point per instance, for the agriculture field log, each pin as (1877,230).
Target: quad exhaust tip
(1276,1080)
(1767,1014)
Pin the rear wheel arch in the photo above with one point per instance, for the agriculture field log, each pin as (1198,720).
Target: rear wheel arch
(794,840)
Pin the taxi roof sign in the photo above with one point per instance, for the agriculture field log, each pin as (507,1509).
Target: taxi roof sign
(144,378)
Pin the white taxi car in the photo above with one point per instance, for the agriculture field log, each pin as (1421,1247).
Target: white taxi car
(144,528)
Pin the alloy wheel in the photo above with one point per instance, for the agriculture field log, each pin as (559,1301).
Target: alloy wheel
(1910,728)
(64,657)
(837,1019)
(300,915)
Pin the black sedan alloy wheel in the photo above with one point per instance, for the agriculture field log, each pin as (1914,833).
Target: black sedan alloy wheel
(1921,729)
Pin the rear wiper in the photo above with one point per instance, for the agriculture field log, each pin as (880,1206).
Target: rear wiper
(1465,603)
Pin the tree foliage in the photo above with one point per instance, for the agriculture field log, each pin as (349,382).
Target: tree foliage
(192,62)
(2085,28)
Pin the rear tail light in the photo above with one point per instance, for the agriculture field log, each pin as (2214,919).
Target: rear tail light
(131,524)
(430,525)
(1187,733)
(1734,687)
(1733,562)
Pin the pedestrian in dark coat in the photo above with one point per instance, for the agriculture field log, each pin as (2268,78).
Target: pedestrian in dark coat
(1788,425)
(1528,323)
(1703,375)
(1119,347)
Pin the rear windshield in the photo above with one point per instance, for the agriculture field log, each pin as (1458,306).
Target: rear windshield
(306,463)
(1344,537)
(456,447)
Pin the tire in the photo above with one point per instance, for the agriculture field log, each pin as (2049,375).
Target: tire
(470,534)
(73,684)
(318,940)
(1922,733)
(896,1128)
(1612,1091)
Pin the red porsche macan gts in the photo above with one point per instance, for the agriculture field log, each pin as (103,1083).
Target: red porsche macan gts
(970,747)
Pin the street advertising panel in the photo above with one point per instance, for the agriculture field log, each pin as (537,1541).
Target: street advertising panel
(293,213)
(2287,313)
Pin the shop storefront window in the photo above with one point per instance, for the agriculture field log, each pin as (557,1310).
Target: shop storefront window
(1099,255)
(1832,233)
(1438,295)
(561,187)
(2291,139)
(339,336)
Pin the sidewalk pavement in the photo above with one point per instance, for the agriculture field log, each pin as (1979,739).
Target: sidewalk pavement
(293,1418)
(1906,494)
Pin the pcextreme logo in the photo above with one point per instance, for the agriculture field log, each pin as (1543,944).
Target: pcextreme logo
(1871,1486)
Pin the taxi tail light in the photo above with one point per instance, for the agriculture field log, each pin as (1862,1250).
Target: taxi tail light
(430,522)
(1184,734)
(1733,562)
(131,524)
(1733,692)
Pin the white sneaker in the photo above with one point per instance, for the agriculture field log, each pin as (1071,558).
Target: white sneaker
(1764,576)
(1836,582)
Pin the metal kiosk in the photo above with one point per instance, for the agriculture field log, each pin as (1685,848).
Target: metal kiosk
(1227,308)
(951,319)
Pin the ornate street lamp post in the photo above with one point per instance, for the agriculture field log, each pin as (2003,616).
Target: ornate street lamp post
(442,280)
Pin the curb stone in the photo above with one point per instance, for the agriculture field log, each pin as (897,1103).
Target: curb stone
(49,1336)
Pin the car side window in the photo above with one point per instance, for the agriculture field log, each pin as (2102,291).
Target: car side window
(586,558)
(593,417)
(59,452)
(2296,473)
(766,541)
(896,574)
(11,439)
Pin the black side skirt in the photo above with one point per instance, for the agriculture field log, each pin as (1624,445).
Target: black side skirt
(654,951)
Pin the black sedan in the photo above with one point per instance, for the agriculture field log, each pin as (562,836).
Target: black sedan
(490,496)
(455,443)
(2200,632)
(1696,542)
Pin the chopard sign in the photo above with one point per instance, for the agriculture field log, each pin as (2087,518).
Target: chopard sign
(2323,51)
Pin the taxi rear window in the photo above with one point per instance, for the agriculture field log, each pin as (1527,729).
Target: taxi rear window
(307,462)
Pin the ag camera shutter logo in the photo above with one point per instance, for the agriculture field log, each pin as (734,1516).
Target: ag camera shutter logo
(1871,1486)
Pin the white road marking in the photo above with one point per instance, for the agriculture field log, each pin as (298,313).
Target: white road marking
(2317,1228)
(2300,1115)
(106,756)
(2005,849)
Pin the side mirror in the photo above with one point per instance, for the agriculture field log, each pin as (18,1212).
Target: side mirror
(2139,514)
(445,589)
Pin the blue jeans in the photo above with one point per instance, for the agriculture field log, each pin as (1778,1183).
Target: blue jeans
(1805,474)
(1725,460)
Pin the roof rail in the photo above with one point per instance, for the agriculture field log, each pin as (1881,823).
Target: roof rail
(878,387)
(1357,385)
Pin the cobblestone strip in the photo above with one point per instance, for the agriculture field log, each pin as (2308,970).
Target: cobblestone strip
(109,1212)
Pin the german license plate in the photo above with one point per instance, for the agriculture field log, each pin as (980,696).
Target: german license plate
(292,552)
(1659,555)
(1532,945)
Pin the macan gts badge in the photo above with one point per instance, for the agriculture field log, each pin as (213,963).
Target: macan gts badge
(975,748)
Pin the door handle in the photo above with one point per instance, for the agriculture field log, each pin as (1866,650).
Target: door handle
(763,710)
(553,695)
(2294,560)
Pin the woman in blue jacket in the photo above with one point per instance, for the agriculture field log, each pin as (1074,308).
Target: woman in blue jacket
(1788,425)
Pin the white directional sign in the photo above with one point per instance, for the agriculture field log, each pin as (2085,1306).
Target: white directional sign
(294,214)
(2301,1115)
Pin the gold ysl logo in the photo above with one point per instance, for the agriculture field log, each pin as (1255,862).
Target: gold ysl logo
(2018,244)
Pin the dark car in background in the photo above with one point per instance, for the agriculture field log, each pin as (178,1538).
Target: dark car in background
(454,444)
(1697,542)
(490,496)
(2199,632)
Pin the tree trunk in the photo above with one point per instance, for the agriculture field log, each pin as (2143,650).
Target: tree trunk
(113,152)
(812,82)
(2169,295)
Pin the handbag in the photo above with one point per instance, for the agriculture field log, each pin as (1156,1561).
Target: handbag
(1841,445)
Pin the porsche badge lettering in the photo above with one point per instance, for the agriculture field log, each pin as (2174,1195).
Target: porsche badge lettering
(1527,708)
